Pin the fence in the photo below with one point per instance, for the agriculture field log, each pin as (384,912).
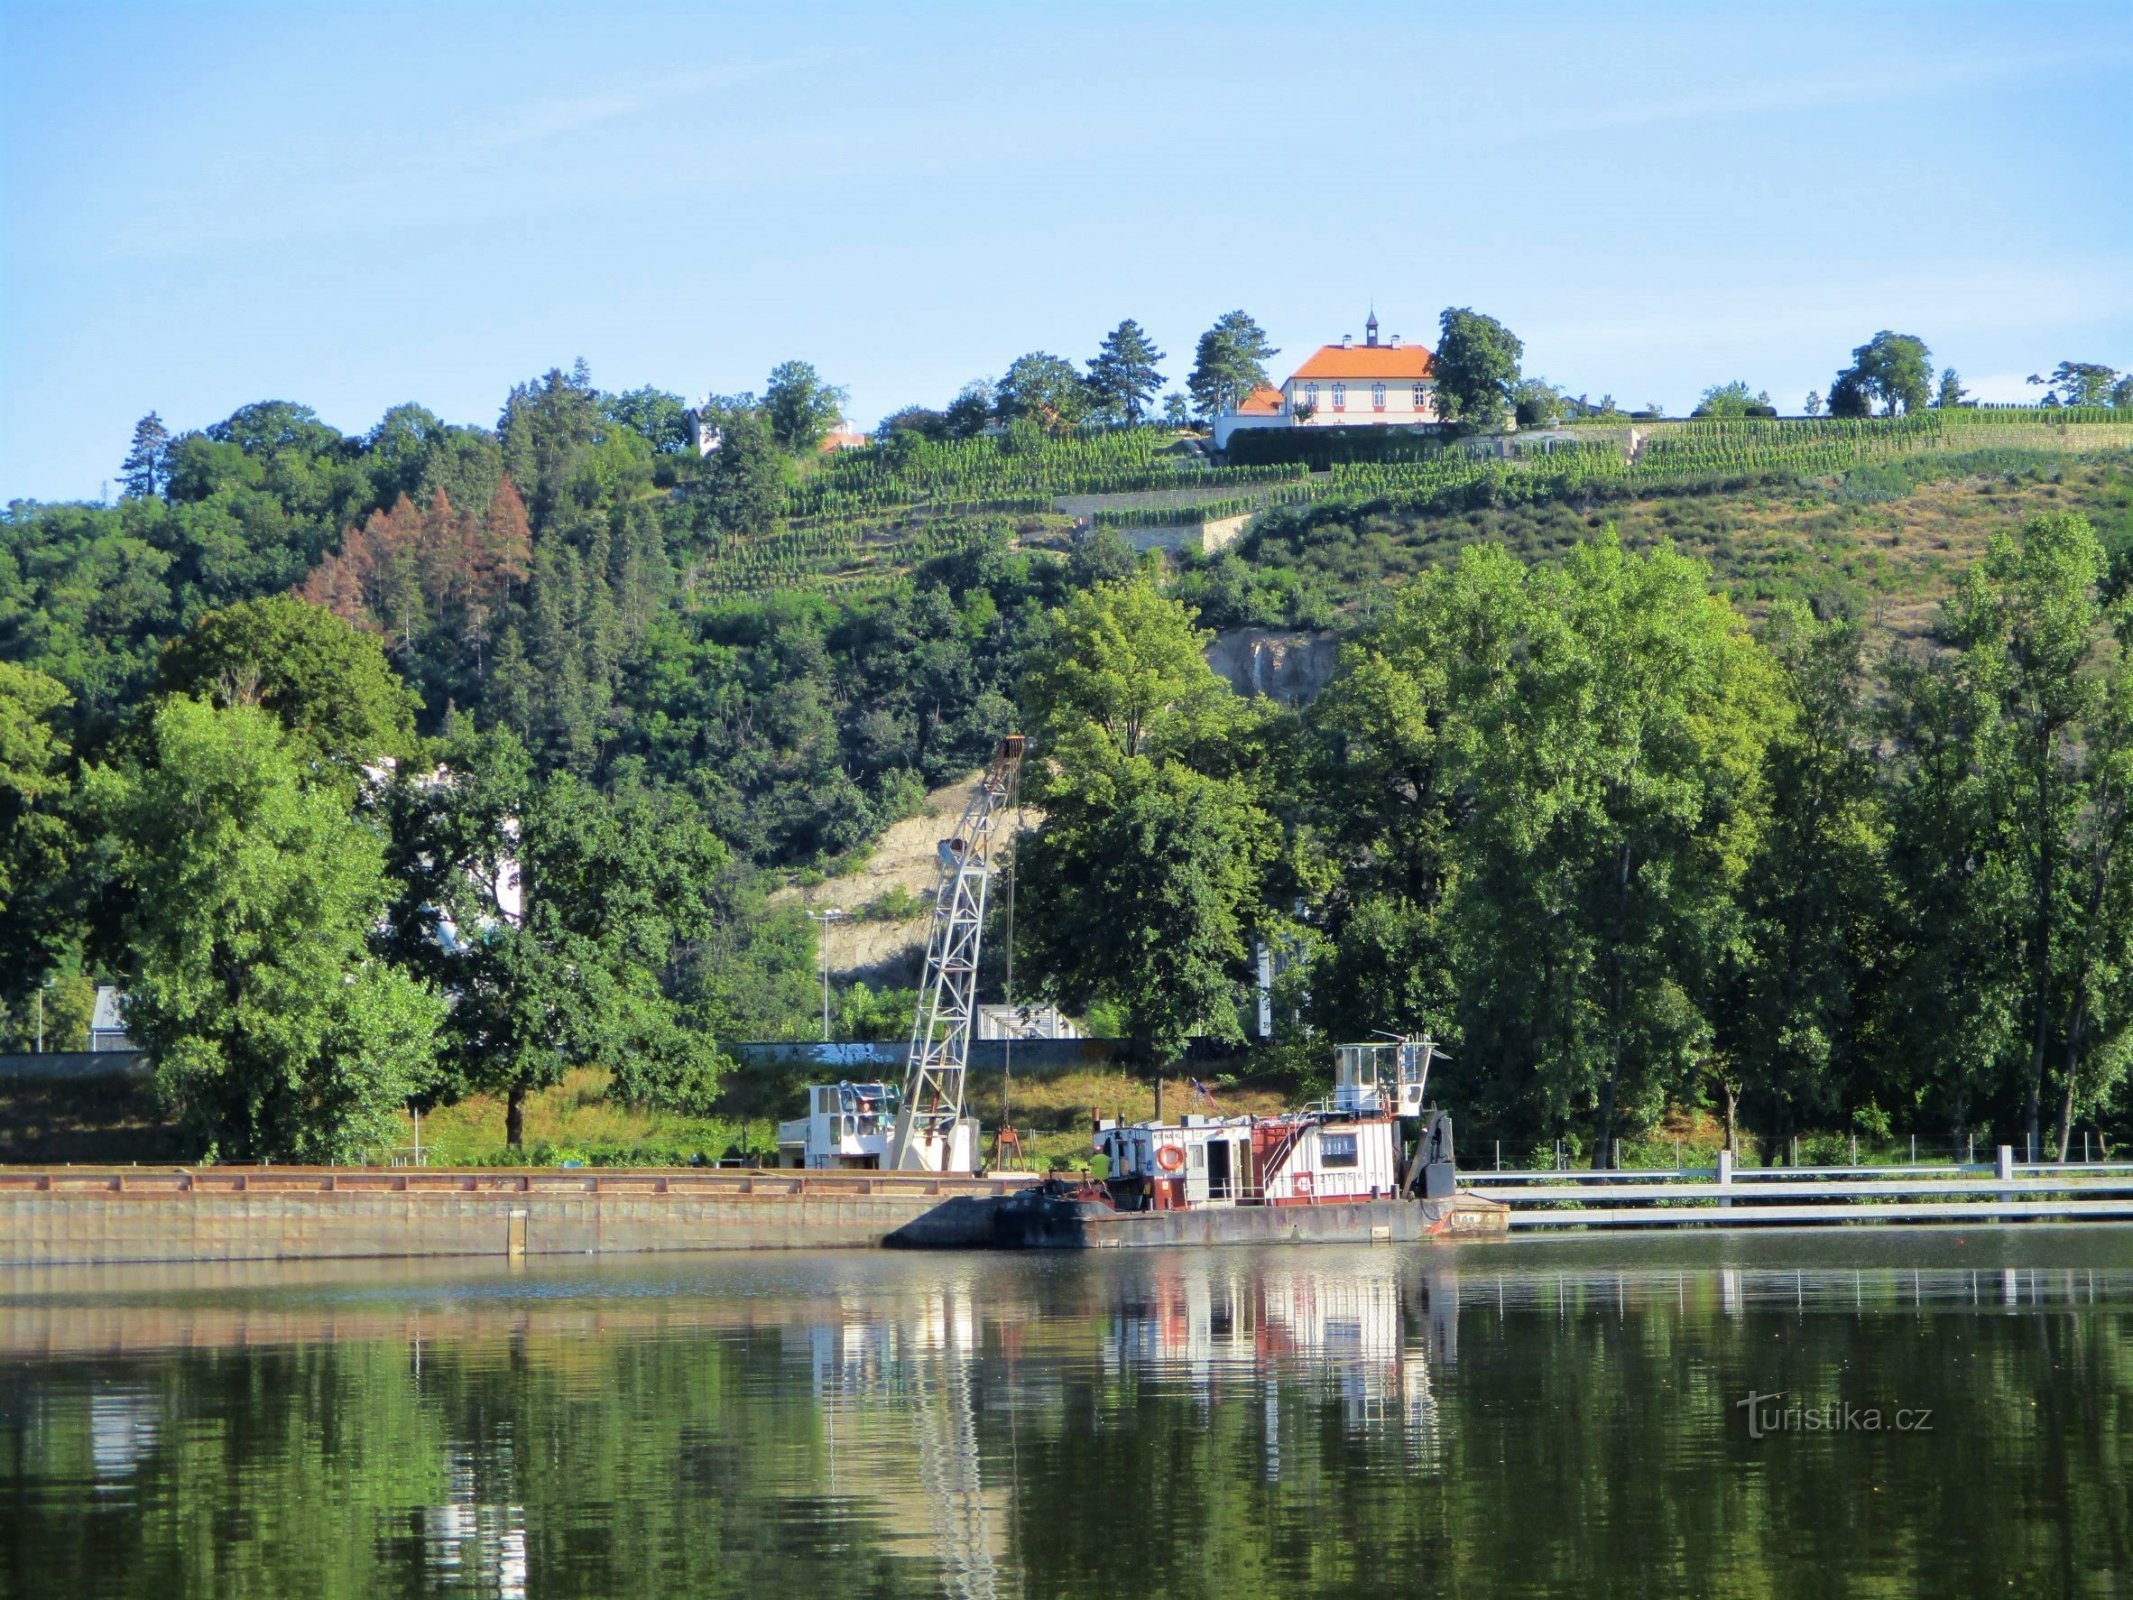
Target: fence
(1734,1196)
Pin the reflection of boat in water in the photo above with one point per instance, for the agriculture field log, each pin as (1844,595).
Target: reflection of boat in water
(915,1389)
(1371,1165)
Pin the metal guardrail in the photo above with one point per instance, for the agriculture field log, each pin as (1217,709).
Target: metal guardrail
(1584,1175)
(1678,1196)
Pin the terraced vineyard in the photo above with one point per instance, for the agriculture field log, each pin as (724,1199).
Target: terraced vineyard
(868,516)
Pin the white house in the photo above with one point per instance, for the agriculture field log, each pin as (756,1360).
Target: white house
(1345,385)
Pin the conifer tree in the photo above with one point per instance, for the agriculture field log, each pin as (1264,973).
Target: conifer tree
(146,469)
(1124,374)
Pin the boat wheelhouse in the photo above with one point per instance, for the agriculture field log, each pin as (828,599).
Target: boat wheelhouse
(847,1125)
(1352,1146)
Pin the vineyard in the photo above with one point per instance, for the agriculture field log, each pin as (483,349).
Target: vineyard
(866,517)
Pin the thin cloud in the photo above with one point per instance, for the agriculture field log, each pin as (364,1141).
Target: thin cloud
(569,114)
(1820,92)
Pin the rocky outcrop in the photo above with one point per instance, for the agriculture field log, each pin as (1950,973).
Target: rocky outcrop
(1288,667)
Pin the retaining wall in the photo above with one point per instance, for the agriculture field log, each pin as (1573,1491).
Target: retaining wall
(253,1214)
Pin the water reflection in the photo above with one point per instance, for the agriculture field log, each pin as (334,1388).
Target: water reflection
(1544,1417)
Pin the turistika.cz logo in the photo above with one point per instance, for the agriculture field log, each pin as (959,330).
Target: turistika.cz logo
(1767,1415)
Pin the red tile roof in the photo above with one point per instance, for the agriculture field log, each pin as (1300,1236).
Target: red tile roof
(1409,361)
(1261,402)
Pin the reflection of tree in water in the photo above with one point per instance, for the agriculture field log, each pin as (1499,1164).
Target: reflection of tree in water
(1219,1423)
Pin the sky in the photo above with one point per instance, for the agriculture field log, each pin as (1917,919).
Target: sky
(353,206)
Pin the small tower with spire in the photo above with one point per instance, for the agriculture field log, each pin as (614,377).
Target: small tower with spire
(1370,329)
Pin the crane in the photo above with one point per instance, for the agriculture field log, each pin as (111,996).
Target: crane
(932,1133)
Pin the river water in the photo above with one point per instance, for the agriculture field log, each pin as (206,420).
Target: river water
(1942,1414)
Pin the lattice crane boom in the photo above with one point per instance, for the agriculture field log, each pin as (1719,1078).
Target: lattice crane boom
(932,1133)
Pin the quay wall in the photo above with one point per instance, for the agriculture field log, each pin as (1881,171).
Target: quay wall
(75,1217)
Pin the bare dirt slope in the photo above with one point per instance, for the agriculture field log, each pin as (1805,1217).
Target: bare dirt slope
(876,948)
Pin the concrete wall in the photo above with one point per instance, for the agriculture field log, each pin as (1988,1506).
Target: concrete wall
(226,1214)
(844,1058)
(57,1066)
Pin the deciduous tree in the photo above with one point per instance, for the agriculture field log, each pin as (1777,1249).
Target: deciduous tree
(800,407)
(1477,363)
(328,684)
(557,917)
(1894,368)
(251,893)
(1044,389)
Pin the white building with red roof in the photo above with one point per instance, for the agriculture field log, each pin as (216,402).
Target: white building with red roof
(1345,385)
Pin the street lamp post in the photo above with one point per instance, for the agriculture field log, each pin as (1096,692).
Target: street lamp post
(826,918)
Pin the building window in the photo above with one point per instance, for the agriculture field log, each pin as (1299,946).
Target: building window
(1336,1150)
(1340,397)
(1377,397)
(1311,395)
(1421,397)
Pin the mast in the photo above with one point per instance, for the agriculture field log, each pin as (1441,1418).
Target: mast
(930,1134)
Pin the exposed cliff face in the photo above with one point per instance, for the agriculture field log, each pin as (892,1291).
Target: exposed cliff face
(1288,667)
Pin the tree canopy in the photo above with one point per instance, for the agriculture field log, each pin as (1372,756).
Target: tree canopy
(1125,374)
(251,895)
(1228,363)
(1893,368)
(1476,363)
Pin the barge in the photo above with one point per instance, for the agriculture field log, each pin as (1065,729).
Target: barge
(1370,1165)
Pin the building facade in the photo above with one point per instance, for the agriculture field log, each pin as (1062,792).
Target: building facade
(1346,385)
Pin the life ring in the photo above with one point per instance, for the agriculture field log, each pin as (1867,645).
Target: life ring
(1169,1157)
(1303,1184)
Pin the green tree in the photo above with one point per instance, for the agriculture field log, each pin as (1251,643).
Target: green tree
(250,895)
(327,682)
(971,411)
(661,418)
(1813,404)
(1228,364)
(2095,1042)
(1476,363)
(1124,373)
(1123,677)
(1177,410)
(1953,1006)
(1734,399)
(558,918)
(743,482)
(800,407)
(2084,383)
(1850,397)
(147,465)
(1812,899)
(2027,618)
(1145,899)
(1389,791)
(1951,392)
(1153,837)
(549,431)
(1619,793)
(1045,389)
(37,842)
(1894,368)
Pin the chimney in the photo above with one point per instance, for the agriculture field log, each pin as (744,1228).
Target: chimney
(1347,341)
(1396,341)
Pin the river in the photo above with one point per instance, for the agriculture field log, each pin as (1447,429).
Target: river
(1885,1412)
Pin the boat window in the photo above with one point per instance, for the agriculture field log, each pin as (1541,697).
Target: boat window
(1337,1150)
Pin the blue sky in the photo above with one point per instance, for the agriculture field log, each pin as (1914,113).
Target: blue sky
(353,206)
